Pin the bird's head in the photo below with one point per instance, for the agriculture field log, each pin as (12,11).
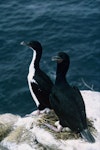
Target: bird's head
(35,45)
(61,57)
(63,62)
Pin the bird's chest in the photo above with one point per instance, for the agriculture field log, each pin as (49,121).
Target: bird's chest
(31,74)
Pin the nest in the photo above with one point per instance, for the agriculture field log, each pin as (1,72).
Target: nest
(51,118)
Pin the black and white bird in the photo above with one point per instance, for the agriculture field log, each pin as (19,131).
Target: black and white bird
(67,101)
(40,84)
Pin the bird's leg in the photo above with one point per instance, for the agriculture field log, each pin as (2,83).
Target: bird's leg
(57,124)
(46,111)
(58,129)
(34,113)
(38,112)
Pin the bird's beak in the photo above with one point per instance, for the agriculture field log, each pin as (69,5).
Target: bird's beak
(57,59)
(24,43)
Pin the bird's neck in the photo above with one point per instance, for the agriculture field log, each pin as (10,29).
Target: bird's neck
(61,74)
(60,78)
(35,61)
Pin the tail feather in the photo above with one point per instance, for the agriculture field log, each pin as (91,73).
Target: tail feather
(87,136)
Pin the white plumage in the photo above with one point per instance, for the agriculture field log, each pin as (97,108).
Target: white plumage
(31,80)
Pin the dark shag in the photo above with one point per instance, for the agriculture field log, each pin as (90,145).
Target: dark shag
(67,101)
(40,84)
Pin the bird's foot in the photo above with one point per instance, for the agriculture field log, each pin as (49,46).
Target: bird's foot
(57,124)
(46,111)
(58,129)
(34,113)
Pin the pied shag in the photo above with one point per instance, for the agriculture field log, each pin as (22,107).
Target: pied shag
(40,84)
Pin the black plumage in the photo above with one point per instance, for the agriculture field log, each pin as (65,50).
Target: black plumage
(67,101)
(39,82)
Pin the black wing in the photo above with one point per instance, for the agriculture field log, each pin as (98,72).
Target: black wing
(65,106)
(41,95)
(43,81)
(81,105)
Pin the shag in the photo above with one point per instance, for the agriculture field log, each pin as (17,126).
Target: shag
(40,84)
(67,101)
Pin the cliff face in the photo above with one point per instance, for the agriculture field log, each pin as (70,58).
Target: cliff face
(30,133)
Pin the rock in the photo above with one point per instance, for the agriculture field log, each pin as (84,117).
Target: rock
(6,124)
(30,133)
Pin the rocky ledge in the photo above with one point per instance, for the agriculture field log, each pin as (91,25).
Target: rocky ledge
(30,133)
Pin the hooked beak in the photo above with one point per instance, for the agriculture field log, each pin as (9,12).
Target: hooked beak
(57,59)
(24,43)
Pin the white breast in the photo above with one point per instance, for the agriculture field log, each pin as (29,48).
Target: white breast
(31,67)
(31,79)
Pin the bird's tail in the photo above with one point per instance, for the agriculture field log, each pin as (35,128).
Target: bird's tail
(87,136)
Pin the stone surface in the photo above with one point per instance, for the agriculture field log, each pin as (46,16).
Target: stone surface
(30,133)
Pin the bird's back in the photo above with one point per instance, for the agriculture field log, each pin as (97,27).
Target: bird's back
(69,106)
